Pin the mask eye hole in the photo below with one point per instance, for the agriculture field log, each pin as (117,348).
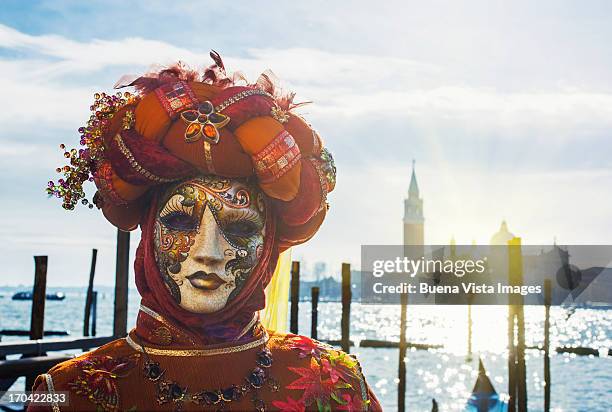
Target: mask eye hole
(177,216)
(241,228)
(178,221)
(242,224)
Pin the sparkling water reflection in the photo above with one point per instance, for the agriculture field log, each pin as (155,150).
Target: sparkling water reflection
(580,383)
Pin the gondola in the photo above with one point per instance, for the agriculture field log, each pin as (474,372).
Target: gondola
(49,296)
(484,398)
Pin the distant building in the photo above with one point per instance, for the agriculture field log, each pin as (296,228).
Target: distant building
(329,289)
(319,270)
(502,236)
(414,220)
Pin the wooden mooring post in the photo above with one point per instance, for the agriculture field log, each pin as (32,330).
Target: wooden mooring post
(401,385)
(94,312)
(345,320)
(121,284)
(469,329)
(88,297)
(314,312)
(517,371)
(37,320)
(520,361)
(295,297)
(547,382)
(511,360)
(39,296)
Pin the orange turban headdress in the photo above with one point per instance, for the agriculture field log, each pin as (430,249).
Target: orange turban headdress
(180,124)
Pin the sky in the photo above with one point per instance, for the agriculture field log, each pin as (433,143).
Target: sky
(506,107)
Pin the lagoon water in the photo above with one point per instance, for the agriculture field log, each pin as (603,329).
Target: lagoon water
(579,383)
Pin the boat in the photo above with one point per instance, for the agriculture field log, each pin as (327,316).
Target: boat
(56,296)
(49,296)
(484,398)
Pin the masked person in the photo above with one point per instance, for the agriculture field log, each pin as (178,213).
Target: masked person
(221,179)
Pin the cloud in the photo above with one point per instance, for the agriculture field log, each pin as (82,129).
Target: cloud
(378,111)
(67,57)
(344,86)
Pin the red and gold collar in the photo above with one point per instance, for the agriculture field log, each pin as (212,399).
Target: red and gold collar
(158,333)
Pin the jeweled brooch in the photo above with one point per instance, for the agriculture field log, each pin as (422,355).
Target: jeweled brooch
(203,122)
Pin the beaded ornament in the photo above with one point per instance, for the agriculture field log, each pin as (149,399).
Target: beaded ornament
(84,162)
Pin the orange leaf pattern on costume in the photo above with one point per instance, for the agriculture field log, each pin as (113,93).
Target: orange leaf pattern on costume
(352,404)
(97,380)
(291,405)
(310,381)
(308,347)
(340,366)
(328,377)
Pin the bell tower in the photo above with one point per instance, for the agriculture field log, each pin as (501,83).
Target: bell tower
(413,214)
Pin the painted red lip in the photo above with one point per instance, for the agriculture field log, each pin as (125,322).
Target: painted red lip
(205,281)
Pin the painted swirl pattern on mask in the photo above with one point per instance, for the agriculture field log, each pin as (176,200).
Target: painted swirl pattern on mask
(172,248)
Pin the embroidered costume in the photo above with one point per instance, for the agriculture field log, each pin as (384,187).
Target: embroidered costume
(214,173)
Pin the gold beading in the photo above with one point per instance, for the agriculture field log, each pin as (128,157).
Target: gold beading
(239,96)
(135,165)
(198,352)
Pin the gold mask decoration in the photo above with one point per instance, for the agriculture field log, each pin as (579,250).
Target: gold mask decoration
(209,234)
